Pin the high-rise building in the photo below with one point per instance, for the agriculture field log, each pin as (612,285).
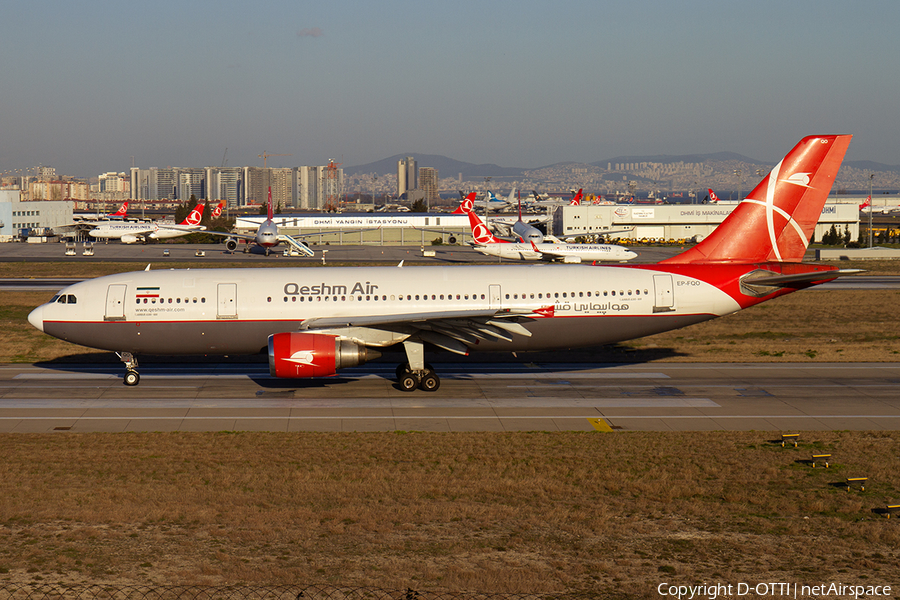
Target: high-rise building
(428,181)
(407,175)
(224,184)
(315,187)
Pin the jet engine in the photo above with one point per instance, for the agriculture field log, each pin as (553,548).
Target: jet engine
(129,239)
(231,244)
(314,354)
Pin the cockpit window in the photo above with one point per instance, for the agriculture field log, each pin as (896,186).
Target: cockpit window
(54,299)
(66,299)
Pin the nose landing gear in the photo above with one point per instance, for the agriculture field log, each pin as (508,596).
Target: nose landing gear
(132,377)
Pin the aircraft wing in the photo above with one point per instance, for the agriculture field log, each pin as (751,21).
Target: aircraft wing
(590,233)
(454,331)
(240,236)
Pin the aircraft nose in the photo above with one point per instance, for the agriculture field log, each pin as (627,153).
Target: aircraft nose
(36,318)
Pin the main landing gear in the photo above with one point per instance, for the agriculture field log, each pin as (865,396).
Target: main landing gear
(132,377)
(416,373)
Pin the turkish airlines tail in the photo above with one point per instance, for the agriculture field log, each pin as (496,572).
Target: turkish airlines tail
(466,206)
(776,220)
(576,201)
(217,211)
(712,196)
(480,232)
(866,204)
(194,217)
(122,212)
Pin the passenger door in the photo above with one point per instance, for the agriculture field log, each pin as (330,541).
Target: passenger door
(664,300)
(115,302)
(227,306)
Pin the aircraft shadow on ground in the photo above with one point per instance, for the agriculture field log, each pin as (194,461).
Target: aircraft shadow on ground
(563,361)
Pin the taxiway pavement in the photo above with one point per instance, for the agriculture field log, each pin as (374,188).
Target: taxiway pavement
(491,397)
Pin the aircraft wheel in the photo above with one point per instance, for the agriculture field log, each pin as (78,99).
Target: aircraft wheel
(402,368)
(132,378)
(408,382)
(430,383)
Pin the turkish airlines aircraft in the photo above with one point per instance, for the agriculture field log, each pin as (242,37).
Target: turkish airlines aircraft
(882,208)
(121,213)
(312,322)
(130,232)
(520,230)
(488,244)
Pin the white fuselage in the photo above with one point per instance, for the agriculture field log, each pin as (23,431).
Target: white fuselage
(132,231)
(233,311)
(564,252)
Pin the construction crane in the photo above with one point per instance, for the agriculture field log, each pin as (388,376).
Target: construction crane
(224,161)
(266,155)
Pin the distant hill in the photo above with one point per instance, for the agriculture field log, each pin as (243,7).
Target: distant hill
(447,167)
(868,165)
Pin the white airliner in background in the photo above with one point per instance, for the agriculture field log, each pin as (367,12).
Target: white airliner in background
(884,208)
(515,230)
(130,232)
(267,235)
(121,213)
(313,321)
(488,244)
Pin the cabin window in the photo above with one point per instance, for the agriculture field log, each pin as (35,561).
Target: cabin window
(392,297)
(482,296)
(178,300)
(417,296)
(138,300)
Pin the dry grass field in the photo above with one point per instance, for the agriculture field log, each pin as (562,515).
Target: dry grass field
(609,515)
(604,514)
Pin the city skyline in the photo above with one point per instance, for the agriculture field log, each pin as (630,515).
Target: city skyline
(522,85)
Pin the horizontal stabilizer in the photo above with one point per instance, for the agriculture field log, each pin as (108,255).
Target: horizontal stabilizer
(797,278)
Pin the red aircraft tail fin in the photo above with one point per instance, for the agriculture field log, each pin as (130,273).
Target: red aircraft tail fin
(466,206)
(271,210)
(123,211)
(776,220)
(480,232)
(195,216)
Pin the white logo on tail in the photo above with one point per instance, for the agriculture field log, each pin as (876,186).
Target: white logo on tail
(482,234)
(194,217)
(801,179)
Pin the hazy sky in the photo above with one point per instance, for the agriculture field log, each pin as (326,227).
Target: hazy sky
(87,85)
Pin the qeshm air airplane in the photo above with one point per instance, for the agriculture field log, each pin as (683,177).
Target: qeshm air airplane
(313,322)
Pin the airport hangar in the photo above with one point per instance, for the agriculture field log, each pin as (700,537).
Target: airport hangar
(630,221)
(679,221)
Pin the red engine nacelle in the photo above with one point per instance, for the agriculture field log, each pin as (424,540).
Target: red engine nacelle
(314,354)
